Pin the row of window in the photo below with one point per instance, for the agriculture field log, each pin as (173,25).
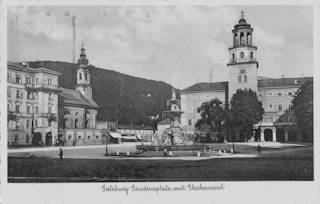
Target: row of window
(280,119)
(271,119)
(242,79)
(279,107)
(28,80)
(28,123)
(206,97)
(136,131)
(85,76)
(80,137)
(276,94)
(30,95)
(28,109)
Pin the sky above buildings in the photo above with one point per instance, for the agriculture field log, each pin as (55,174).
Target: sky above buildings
(175,44)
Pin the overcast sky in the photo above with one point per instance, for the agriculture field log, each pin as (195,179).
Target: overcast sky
(165,42)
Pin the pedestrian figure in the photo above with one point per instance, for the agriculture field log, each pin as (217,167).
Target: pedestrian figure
(165,153)
(61,154)
(259,148)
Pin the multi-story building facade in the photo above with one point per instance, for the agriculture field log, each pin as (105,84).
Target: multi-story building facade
(78,110)
(279,123)
(42,113)
(32,96)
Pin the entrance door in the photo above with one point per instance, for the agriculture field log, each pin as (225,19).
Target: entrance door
(49,139)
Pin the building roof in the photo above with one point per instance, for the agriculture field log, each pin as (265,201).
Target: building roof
(20,67)
(283,82)
(74,98)
(167,121)
(264,82)
(135,127)
(206,86)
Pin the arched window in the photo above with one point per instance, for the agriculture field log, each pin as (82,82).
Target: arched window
(235,39)
(80,76)
(86,76)
(249,38)
(251,55)
(233,56)
(76,123)
(242,38)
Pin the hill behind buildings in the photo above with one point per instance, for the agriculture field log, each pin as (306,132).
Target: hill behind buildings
(120,97)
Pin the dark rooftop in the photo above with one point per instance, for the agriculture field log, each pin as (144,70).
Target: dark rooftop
(135,127)
(75,98)
(206,86)
(282,82)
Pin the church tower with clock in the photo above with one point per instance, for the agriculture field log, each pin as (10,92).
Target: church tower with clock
(243,64)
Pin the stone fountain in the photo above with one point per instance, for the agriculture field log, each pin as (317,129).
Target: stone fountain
(174,135)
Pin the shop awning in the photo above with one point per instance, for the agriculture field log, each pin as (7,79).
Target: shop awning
(115,135)
(129,137)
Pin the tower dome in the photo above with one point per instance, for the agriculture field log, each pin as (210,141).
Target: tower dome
(83,60)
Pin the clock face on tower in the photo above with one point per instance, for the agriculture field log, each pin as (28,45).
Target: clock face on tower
(241,54)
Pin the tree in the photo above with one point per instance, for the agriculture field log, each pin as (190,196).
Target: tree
(245,111)
(212,115)
(303,107)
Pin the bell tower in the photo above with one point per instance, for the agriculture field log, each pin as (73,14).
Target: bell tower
(243,64)
(83,75)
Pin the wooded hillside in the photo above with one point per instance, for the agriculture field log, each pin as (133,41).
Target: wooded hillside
(120,97)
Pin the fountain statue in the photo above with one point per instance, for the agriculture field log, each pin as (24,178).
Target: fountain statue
(173,135)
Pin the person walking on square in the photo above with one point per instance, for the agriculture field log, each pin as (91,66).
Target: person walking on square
(259,148)
(165,153)
(61,154)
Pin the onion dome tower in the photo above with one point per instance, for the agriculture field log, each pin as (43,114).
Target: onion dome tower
(83,75)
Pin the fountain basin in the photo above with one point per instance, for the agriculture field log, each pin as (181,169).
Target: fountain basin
(172,147)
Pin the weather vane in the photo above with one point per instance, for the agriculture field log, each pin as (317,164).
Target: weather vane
(242,15)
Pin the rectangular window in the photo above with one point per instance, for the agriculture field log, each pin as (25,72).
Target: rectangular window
(189,97)
(290,119)
(18,79)
(189,109)
(18,123)
(28,79)
(260,94)
(18,108)
(36,109)
(270,94)
(17,93)
(245,78)
(28,109)
(9,77)
(270,119)
(289,93)
(198,109)
(239,79)
(279,94)
(189,122)
(270,107)
(36,122)
(29,95)
(290,106)
(28,124)
(37,81)
(50,81)
(9,92)
(280,107)
(280,119)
